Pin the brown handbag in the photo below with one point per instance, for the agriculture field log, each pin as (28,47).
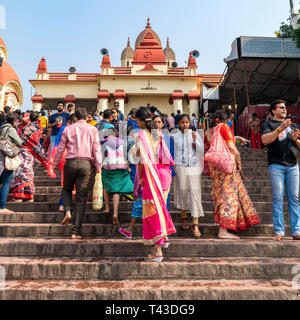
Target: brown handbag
(7,147)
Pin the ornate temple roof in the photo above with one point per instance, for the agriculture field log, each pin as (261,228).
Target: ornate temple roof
(141,36)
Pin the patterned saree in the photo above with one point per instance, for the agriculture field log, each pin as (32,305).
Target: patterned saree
(157,178)
(23,178)
(233,208)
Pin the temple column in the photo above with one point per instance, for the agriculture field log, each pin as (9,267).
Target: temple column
(177,98)
(70,99)
(103,99)
(37,103)
(194,97)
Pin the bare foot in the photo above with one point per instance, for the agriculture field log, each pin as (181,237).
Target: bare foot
(6,211)
(116,221)
(105,211)
(278,237)
(184,224)
(76,237)
(196,232)
(61,209)
(67,218)
(226,235)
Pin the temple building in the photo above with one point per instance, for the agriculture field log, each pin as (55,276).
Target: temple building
(147,76)
(11,93)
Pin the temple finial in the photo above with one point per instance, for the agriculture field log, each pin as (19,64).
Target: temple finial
(148,23)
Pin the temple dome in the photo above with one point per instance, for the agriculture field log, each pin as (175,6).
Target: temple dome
(169,52)
(2,43)
(142,35)
(8,74)
(128,52)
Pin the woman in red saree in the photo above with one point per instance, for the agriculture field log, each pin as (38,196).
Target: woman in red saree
(233,208)
(23,179)
(155,176)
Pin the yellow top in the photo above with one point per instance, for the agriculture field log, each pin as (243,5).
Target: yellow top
(44,122)
(93,123)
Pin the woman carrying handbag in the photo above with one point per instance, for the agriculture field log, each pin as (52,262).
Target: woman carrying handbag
(8,130)
(233,208)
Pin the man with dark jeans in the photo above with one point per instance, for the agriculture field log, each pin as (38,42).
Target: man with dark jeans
(282,138)
(83,147)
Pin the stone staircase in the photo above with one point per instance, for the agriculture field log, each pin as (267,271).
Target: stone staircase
(42,262)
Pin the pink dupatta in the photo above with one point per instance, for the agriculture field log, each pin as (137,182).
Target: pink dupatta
(157,222)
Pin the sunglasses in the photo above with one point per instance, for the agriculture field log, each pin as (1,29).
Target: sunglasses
(282,108)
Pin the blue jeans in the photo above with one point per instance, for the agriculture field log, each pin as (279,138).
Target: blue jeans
(5,179)
(289,177)
(53,139)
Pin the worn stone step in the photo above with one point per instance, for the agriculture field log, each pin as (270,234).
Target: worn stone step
(261,206)
(206,181)
(47,183)
(120,268)
(179,247)
(108,230)
(96,217)
(205,189)
(150,290)
(51,197)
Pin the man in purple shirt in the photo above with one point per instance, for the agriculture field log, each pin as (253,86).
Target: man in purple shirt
(83,147)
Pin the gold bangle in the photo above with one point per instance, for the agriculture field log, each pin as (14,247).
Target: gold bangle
(279,129)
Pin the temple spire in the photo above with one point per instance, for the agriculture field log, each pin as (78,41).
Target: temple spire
(168,42)
(148,23)
(128,42)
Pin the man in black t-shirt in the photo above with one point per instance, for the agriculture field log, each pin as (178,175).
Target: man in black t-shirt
(282,139)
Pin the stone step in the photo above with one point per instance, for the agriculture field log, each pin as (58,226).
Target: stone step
(52,197)
(150,290)
(121,268)
(96,217)
(188,248)
(261,166)
(205,189)
(206,181)
(108,230)
(124,206)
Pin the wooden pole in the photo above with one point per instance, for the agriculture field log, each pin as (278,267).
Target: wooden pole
(234,96)
(246,83)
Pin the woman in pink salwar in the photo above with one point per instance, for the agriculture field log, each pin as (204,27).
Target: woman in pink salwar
(156,177)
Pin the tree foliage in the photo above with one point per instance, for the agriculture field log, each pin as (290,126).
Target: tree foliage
(285,31)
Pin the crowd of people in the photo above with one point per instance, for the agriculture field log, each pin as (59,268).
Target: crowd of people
(139,156)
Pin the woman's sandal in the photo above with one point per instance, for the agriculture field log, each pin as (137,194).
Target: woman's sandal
(153,257)
(166,244)
(184,224)
(196,232)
